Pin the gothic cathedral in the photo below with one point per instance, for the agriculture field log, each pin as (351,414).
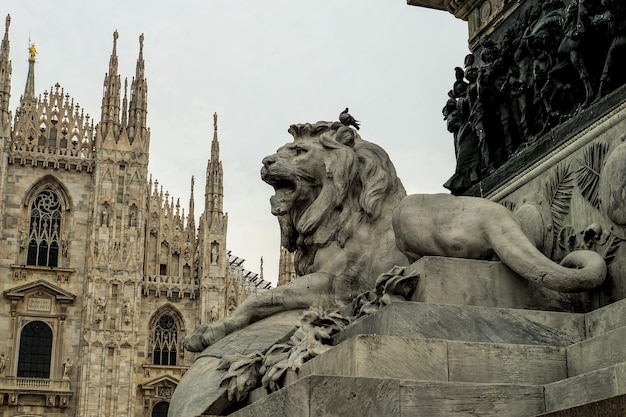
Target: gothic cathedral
(102,274)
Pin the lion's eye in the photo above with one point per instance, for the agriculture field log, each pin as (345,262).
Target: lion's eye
(299,150)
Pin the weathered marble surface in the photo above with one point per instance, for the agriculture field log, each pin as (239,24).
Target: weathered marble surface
(200,390)
(332,396)
(446,280)
(611,407)
(376,356)
(470,323)
(586,388)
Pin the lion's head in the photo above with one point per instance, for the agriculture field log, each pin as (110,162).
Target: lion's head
(327,181)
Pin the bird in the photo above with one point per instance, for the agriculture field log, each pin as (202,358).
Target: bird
(347,120)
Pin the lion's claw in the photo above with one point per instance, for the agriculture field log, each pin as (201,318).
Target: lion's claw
(204,336)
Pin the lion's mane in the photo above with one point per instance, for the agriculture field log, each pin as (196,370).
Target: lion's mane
(360,179)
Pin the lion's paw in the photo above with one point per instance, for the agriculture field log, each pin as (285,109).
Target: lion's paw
(204,336)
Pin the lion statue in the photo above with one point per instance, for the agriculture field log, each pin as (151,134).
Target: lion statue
(345,213)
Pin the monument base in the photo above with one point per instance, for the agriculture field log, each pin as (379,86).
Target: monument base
(488,284)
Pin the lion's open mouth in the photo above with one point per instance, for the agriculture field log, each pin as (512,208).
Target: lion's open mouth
(284,195)
(282,200)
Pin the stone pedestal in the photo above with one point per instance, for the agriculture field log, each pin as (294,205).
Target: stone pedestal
(487,284)
(461,361)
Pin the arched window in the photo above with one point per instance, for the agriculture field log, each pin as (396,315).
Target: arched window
(165,341)
(35,351)
(44,230)
(160,409)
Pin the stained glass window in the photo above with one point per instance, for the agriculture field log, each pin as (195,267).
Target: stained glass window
(44,230)
(165,341)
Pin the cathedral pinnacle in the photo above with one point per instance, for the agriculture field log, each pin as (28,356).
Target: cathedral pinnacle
(5,80)
(138,106)
(29,89)
(115,37)
(191,222)
(110,110)
(6,27)
(4,48)
(214,175)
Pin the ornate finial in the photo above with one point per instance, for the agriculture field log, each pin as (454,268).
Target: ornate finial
(8,23)
(115,36)
(261,274)
(215,121)
(141,43)
(193,181)
(32,50)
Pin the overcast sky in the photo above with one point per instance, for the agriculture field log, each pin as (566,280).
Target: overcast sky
(261,65)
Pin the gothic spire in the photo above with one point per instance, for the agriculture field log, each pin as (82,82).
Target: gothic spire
(110,116)
(125,105)
(29,89)
(138,107)
(5,78)
(4,49)
(191,221)
(215,144)
(214,194)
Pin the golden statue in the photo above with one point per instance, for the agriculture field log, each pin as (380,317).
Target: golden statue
(32,50)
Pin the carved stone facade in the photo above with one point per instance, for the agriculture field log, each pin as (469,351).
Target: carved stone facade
(102,273)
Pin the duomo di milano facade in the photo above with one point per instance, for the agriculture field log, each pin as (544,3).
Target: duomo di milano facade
(101,274)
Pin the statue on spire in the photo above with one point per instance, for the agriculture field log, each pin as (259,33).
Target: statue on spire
(215,121)
(32,50)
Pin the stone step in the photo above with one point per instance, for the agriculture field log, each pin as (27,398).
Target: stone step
(326,396)
(597,352)
(589,387)
(376,356)
(605,319)
(471,324)
(611,407)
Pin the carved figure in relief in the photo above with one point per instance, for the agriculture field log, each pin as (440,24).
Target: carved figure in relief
(104,218)
(65,245)
(212,314)
(67,368)
(614,19)
(23,240)
(101,303)
(127,311)
(576,26)
(214,253)
(132,218)
(468,162)
(335,196)
(3,362)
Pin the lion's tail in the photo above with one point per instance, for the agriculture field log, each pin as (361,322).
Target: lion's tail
(581,270)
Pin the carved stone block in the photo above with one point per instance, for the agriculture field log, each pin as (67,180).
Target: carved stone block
(488,284)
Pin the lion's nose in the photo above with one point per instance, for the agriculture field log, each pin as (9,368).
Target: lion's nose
(268,160)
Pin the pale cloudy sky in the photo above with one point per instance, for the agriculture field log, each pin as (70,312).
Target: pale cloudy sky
(261,65)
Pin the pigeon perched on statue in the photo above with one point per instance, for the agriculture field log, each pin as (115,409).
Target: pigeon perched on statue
(347,120)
